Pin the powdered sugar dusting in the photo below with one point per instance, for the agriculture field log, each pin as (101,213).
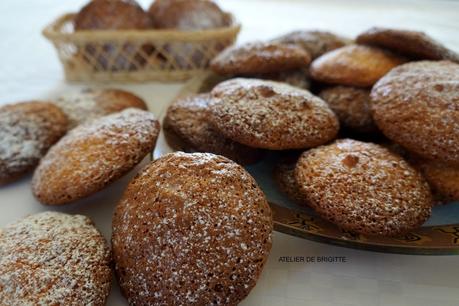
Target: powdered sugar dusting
(417,106)
(53,259)
(26,132)
(191,229)
(90,104)
(260,57)
(20,142)
(313,41)
(79,107)
(94,154)
(203,17)
(187,118)
(414,44)
(364,188)
(271,115)
(188,15)
(352,106)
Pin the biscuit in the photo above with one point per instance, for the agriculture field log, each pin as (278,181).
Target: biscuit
(364,188)
(114,15)
(417,106)
(259,57)
(313,41)
(188,15)
(271,115)
(442,178)
(186,119)
(413,44)
(352,106)
(94,103)
(27,130)
(53,258)
(354,65)
(93,155)
(191,229)
(284,176)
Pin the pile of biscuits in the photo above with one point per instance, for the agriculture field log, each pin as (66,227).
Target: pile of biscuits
(180,15)
(189,229)
(77,144)
(366,130)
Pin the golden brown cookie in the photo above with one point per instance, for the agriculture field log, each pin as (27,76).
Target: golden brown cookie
(354,65)
(442,178)
(271,115)
(352,106)
(93,155)
(413,44)
(191,229)
(417,106)
(27,130)
(313,41)
(284,176)
(187,120)
(259,57)
(53,258)
(114,15)
(188,15)
(94,103)
(364,188)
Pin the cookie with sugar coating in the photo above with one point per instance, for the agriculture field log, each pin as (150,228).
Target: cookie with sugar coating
(352,106)
(354,65)
(27,131)
(93,155)
(271,115)
(316,42)
(187,129)
(364,188)
(298,77)
(413,44)
(112,15)
(284,176)
(188,15)
(53,258)
(259,57)
(417,106)
(191,229)
(103,15)
(442,178)
(93,103)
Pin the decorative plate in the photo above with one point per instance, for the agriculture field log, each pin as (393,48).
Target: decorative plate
(438,236)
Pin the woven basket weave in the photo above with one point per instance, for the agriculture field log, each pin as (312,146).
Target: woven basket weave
(135,55)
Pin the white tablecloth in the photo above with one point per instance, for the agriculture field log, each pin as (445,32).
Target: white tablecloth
(30,70)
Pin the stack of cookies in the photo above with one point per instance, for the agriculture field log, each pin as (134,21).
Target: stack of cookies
(77,144)
(190,228)
(367,130)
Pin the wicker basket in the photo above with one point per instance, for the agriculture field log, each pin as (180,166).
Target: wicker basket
(136,55)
